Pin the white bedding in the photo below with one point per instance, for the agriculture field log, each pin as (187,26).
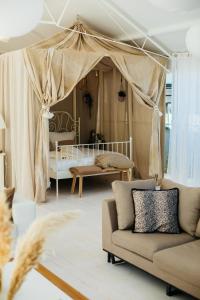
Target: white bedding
(67,159)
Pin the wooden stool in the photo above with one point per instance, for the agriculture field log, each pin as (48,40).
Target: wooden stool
(84,171)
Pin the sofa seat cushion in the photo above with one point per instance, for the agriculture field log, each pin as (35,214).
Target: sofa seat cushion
(146,244)
(181,261)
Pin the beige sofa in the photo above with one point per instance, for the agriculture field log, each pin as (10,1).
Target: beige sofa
(174,258)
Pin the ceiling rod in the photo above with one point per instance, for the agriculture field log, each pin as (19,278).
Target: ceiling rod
(49,12)
(131,23)
(124,31)
(53,22)
(63,12)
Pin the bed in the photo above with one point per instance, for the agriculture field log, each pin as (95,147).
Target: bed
(68,152)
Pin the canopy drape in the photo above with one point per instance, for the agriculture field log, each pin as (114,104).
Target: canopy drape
(117,120)
(56,66)
(54,74)
(19,107)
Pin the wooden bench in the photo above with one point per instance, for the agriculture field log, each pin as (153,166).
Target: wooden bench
(85,171)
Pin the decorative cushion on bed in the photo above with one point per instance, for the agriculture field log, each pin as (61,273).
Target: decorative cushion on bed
(124,202)
(61,137)
(156,211)
(115,160)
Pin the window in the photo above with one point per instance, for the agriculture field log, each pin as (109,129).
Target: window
(168,117)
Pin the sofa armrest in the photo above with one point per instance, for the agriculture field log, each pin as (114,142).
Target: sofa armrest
(109,223)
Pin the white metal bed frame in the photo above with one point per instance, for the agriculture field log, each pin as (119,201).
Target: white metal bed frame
(91,150)
(63,121)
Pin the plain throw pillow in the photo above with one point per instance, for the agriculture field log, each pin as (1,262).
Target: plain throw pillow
(124,202)
(115,160)
(189,205)
(156,211)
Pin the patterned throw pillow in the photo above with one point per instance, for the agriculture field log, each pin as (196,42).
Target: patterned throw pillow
(156,210)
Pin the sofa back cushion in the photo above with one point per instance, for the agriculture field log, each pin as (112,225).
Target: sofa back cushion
(198,230)
(124,202)
(189,205)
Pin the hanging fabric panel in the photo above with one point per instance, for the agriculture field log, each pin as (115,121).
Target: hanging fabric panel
(54,74)
(147,92)
(20,108)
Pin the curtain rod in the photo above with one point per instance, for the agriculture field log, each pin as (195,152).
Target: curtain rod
(120,14)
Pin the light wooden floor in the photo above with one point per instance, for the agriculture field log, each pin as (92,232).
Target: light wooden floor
(75,254)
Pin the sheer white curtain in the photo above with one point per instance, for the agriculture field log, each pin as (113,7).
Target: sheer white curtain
(184,149)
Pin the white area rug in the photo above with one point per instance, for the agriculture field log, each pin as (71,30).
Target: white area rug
(76,256)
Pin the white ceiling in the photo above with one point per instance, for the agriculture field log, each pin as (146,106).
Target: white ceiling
(166,28)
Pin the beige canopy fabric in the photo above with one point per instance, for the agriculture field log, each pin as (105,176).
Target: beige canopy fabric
(53,73)
(117,120)
(19,107)
(54,68)
(112,115)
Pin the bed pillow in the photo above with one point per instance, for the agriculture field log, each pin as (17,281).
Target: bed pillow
(156,210)
(115,160)
(124,202)
(61,137)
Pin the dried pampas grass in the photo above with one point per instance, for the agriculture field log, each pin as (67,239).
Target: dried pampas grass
(31,247)
(5,236)
(5,233)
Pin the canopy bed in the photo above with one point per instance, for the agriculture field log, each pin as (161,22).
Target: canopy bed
(66,151)
(34,79)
